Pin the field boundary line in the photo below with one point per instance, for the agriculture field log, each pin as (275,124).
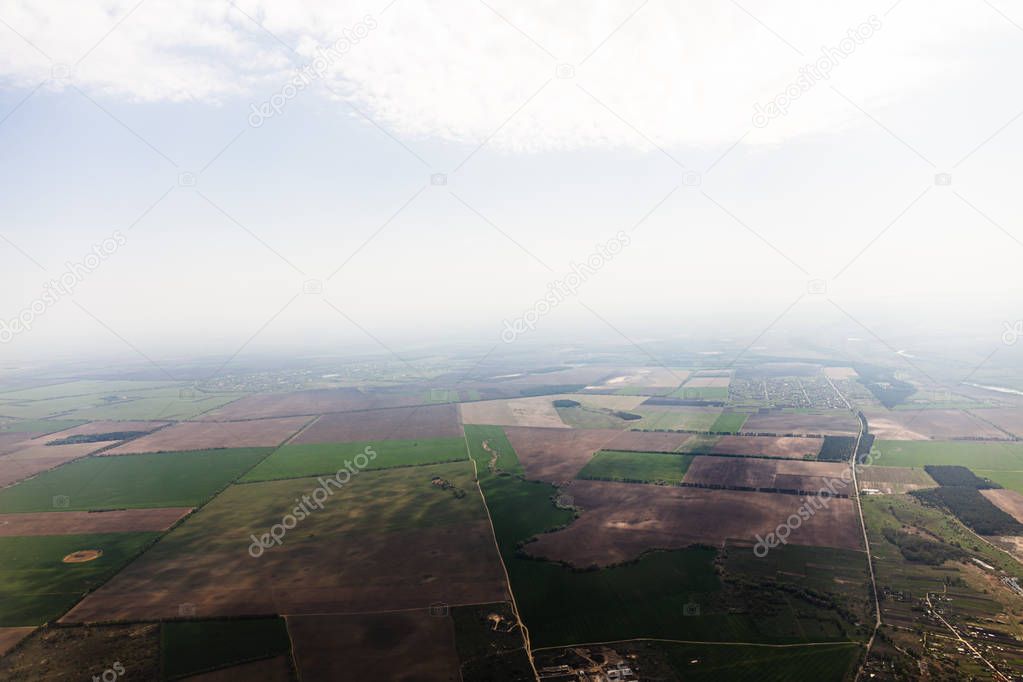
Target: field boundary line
(493,532)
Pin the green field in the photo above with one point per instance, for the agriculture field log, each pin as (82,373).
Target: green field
(111,400)
(583,417)
(833,662)
(42,425)
(700,393)
(297,461)
(696,419)
(729,422)
(36,586)
(84,388)
(195,646)
(648,596)
(988,456)
(1013,480)
(638,467)
(175,479)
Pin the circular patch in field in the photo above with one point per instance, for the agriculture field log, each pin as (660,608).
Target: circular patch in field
(83,555)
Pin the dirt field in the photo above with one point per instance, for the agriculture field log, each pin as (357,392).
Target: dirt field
(428,421)
(208,436)
(1008,418)
(319,401)
(539,412)
(93,428)
(404,647)
(267,670)
(557,455)
(80,653)
(708,382)
(1009,501)
(894,480)
(621,520)
(838,423)
(795,448)
(928,425)
(37,458)
(77,522)
(9,637)
(765,473)
(388,540)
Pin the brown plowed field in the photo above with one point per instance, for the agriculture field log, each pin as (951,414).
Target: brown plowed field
(1008,418)
(404,423)
(93,428)
(9,637)
(80,522)
(766,473)
(795,448)
(837,423)
(620,521)
(928,424)
(557,455)
(319,401)
(267,670)
(1009,501)
(403,647)
(211,435)
(35,459)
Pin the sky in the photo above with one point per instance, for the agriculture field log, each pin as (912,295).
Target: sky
(260,174)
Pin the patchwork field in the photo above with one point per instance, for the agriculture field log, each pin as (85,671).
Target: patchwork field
(837,423)
(394,646)
(107,426)
(992,456)
(428,421)
(620,521)
(78,523)
(679,417)
(183,479)
(769,446)
(893,480)
(538,412)
(440,533)
(729,422)
(1007,418)
(636,467)
(928,425)
(557,454)
(37,585)
(212,435)
(191,647)
(784,474)
(34,459)
(294,461)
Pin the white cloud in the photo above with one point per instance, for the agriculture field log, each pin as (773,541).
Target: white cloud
(675,74)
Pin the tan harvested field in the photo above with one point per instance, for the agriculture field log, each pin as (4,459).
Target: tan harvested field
(791,474)
(893,480)
(11,441)
(9,637)
(770,446)
(645,377)
(276,669)
(80,522)
(928,425)
(708,382)
(620,521)
(557,455)
(388,540)
(403,423)
(37,458)
(319,401)
(95,428)
(1009,501)
(211,435)
(1008,418)
(538,411)
(836,423)
(403,647)
(80,653)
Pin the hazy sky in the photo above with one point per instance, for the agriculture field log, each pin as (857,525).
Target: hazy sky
(556,125)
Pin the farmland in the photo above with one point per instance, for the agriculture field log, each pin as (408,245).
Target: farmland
(181,479)
(295,461)
(430,421)
(638,467)
(987,456)
(212,435)
(196,646)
